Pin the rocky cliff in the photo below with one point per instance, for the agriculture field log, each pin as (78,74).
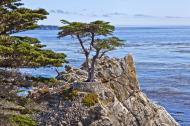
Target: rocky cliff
(115,99)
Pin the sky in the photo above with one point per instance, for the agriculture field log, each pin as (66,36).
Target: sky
(118,12)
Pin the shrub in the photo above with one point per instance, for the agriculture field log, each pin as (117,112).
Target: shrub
(90,99)
(22,120)
(69,94)
(43,79)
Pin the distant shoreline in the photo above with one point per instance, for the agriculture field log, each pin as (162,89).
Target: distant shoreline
(47,27)
(54,27)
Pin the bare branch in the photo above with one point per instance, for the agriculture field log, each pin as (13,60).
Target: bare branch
(58,73)
(92,40)
(103,53)
(82,45)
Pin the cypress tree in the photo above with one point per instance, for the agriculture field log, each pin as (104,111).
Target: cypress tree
(15,51)
(95,38)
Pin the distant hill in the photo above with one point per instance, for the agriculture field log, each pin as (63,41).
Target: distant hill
(47,27)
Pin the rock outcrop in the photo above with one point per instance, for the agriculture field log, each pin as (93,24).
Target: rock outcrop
(120,102)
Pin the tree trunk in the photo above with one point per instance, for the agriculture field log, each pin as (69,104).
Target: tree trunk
(92,68)
(91,73)
(88,69)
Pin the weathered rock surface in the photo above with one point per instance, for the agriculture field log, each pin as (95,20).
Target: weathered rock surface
(120,100)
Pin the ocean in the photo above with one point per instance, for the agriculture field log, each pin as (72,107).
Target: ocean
(161,54)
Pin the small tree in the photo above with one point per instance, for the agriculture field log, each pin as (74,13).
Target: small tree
(95,39)
(17,51)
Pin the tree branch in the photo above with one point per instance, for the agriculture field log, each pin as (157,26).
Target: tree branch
(85,52)
(92,40)
(58,73)
(82,45)
(103,53)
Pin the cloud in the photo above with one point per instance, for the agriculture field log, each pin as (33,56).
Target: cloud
(59,11)
(158,17)
(144,16)
(84,12)
(105,15)
(52,11)
(64,12)
(117,14)
(176,17)
(93,15)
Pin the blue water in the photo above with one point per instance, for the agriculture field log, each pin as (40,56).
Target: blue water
(24,91)
(162,56)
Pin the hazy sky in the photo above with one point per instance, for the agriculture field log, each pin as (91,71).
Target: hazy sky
(119,12)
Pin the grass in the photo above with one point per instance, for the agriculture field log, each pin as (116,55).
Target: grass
(22,120)
(90,99)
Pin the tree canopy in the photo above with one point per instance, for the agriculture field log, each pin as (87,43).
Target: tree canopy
(15,18)
(95,38)
(23,51)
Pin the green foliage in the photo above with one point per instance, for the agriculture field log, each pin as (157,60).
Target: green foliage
(93,37)
(69,94)
(22,120)
(43,79)
(20,91)
(16,120)
(23,51)
(85,29)
(15,18)
(109,43)
(26,52)
(91,33)
(90,99)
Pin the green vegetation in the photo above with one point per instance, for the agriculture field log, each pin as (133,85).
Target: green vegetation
(90,99)
(47,81)
(22,120)
(93,40)
(69,94)
(43,79)
(21,52)
(17,51)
